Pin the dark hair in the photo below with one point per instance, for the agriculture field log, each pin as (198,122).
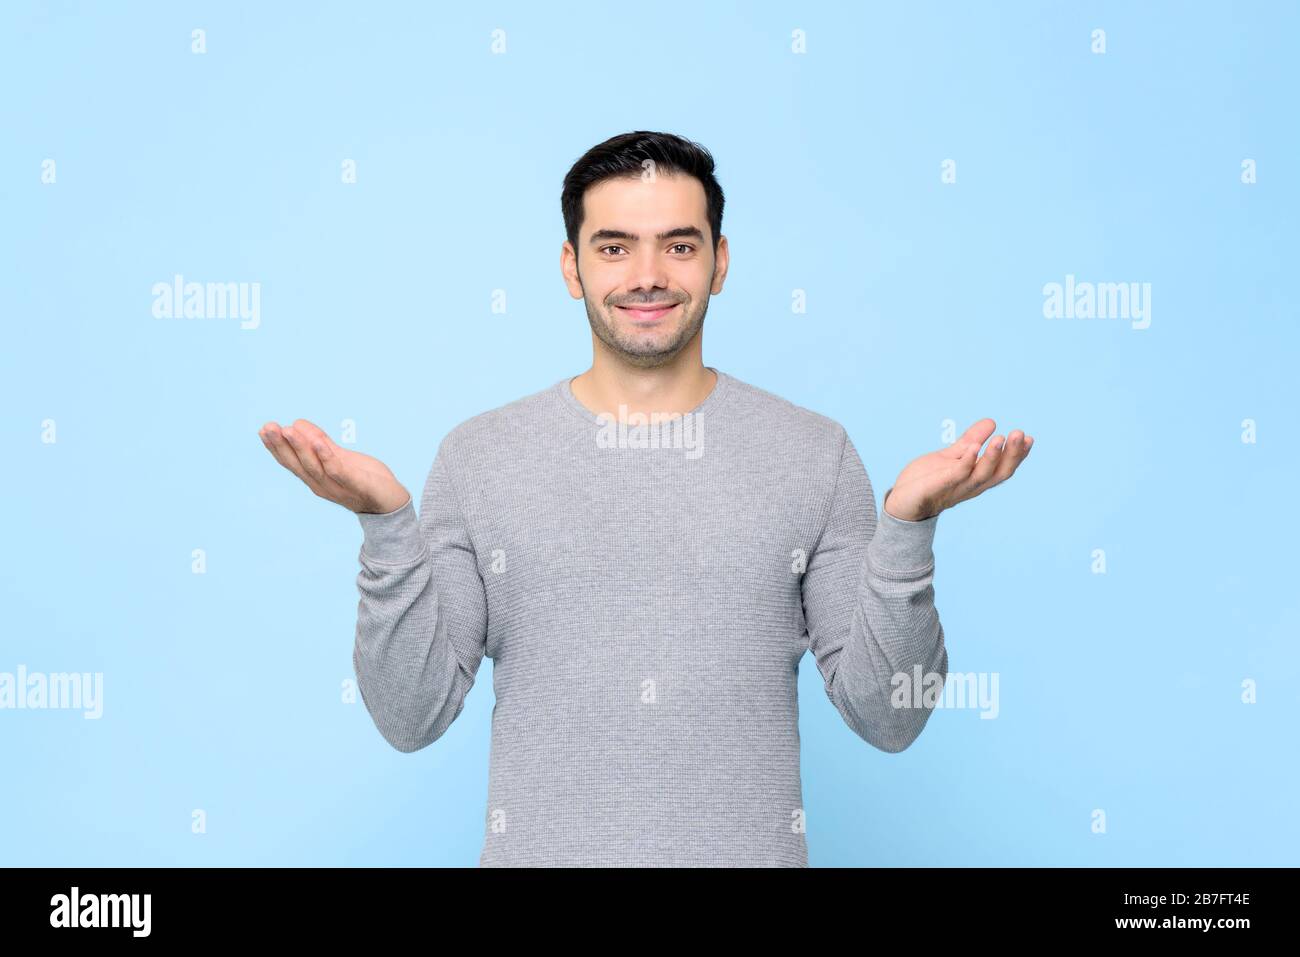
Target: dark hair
(623,155)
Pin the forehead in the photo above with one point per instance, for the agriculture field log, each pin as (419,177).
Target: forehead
(665,201)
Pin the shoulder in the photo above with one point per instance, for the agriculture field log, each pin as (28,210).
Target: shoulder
(500,429)
(792,424)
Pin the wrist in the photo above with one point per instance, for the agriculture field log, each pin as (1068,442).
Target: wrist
(904,515)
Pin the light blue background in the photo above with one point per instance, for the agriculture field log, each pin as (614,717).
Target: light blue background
(222,691)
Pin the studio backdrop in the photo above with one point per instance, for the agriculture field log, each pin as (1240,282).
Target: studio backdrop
(1077,219)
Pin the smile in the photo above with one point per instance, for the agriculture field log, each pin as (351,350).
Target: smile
(642,316)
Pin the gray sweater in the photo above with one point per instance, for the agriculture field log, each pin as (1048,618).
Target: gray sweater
(646,596)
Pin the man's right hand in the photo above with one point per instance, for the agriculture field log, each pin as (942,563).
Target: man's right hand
(358,482)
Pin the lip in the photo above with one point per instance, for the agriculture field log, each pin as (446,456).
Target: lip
(641,315)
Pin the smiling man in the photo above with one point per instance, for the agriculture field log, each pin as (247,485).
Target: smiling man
(646,609)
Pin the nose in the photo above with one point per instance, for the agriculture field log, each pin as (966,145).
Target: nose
(649,273)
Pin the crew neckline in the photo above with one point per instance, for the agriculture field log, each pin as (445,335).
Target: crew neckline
(564,390)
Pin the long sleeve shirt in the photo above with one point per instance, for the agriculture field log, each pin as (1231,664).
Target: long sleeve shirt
(646,592)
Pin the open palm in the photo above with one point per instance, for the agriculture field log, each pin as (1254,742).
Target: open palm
(941,479)
(354,480)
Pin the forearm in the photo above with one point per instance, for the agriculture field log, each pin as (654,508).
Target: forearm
(894,659)
(408,672)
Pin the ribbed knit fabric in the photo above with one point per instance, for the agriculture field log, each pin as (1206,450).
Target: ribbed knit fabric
(646,610)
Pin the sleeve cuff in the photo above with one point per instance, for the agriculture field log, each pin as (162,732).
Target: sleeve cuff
(902,547)
(392,537)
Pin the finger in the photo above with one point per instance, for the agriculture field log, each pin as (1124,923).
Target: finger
(284,454)
(332,464)
(985,468)
(288,457)
(974,437)
(264,435)
(1012,455)
(312,431)
(310,463)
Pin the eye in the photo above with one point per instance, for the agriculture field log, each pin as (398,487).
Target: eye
(603,248)
(686,246)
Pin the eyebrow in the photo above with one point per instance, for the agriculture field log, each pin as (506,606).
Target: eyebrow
(680,232)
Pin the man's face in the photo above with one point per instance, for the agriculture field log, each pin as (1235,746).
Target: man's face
(645,266)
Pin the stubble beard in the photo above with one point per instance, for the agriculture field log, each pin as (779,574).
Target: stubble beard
(646,351)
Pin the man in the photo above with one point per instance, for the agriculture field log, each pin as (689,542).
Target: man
(646,551)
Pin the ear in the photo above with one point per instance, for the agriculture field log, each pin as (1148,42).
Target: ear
(569,269)
(722,259)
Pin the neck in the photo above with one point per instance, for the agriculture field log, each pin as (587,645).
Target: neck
(671,389)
